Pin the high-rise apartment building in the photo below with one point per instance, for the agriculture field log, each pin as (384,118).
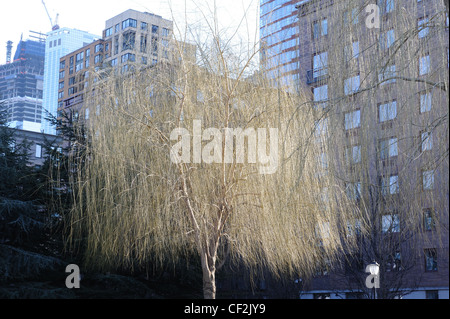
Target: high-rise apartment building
(21,86)
(58,43)
(131,39)
(378,82)
(137,37)
(75,69)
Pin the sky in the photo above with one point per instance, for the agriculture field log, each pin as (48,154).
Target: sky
(20,16)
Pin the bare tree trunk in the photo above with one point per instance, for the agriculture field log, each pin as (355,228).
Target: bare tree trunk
(209,275)
(209,284)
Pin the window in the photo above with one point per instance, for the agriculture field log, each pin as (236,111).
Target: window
(200,97)
(354,191)
(62,64)
(116,45)
(128,41)
(98,58)
(324,27)
(155,29)
(388,148)
(129,23)
(144,26)
(353,154)
(38,151)
(397,261)
(128,57)
(351,51)
(99,48)
(62,74)
(428,180)
(117,28)
(428,219)
(320,95)
(386,75)
(386,6)
(61,85)
(389,185)
(352,119)
(351,85)
(387,111)
(422,26)
(351,16)
(143,46)
(425,102)
(390,223)
(430,260)
(427,141)
(114,62)
(387,39)
(424,65)
(320,64)
(165,32)
(394,261)
(319,28)
(108,32)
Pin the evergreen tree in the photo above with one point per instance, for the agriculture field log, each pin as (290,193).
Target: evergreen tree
(16,175)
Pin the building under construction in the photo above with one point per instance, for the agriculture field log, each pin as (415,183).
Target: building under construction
(21,85)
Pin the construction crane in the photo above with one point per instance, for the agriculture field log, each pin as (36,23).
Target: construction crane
(55,25)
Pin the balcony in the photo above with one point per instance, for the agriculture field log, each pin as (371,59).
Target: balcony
(316,75)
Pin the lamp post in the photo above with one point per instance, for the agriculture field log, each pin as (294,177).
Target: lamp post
(374,270)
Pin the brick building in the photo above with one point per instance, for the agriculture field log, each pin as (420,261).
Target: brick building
(381,101)
(130,40)
(75,70)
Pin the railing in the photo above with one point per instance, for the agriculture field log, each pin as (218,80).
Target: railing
(316,75)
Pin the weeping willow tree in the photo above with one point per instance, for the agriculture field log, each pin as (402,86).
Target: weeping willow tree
(260,197)
(380,82)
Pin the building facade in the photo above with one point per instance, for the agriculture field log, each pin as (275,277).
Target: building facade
(58,43)
(76,68)
(279,39)
(137,37)
(131,40)
(21,86)
(380,94)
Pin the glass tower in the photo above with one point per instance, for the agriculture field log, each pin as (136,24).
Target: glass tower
(279,39)
(58,43)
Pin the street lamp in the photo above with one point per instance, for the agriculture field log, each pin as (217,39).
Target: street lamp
(374,268)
